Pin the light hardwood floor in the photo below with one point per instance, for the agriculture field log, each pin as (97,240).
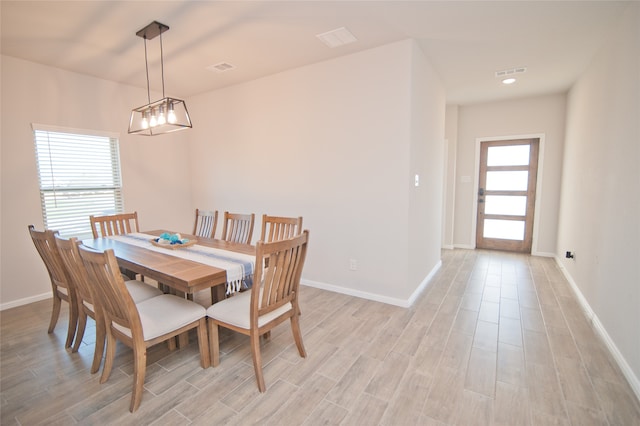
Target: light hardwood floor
(496,339)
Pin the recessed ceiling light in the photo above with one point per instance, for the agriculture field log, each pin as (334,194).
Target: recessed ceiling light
(337,37)
(508,81)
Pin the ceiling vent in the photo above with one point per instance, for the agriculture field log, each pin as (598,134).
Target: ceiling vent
(221,67)
(510,72)
(337,37)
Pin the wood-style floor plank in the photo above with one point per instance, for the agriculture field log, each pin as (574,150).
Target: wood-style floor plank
(495,339)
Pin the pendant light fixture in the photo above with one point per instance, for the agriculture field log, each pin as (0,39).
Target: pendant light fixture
(165,115)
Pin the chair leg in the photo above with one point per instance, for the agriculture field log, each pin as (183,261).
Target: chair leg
(82,324)
(100,340)
(214,344)
(73,322)
(257,360)
(139,371)
(109,356)
(203,344)
(171,344)
(55,312)
(297,335)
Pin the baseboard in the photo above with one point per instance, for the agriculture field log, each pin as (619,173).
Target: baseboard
(543,254)
(25,301)
(425,283)
(464,246)
(633,380)
(404,303)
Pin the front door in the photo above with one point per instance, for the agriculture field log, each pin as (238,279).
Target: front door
(506,194)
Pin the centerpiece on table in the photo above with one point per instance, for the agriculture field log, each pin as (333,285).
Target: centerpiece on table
(172,241)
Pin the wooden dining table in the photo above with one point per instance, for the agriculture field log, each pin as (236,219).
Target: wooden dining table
(183,275)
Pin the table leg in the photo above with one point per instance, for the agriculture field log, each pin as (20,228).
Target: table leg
(218,293)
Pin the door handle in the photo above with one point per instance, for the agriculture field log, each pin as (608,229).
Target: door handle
(481,191)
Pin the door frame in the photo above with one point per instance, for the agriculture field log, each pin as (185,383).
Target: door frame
(448,194)
(539,188)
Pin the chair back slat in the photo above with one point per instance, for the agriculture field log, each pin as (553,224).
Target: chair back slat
(45,243)
(276,228)
(206,222)
(110,290)
(117,224)
(238,228)
(70,256)
(277,283)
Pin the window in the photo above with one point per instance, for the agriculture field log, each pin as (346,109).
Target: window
(79,174)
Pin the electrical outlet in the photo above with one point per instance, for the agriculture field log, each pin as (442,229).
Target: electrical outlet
(353,265)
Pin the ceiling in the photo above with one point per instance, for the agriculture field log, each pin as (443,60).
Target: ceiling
(466,41)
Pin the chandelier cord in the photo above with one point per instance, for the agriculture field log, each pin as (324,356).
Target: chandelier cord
(161,64)
(146,64)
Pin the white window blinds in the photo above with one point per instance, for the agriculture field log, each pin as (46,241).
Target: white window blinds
(79,175)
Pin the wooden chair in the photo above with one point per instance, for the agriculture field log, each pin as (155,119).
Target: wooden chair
(117,224)
(276,228)
(272,300)
(206,222)
(61,284)
(238,228)
(141,325)
(86,300)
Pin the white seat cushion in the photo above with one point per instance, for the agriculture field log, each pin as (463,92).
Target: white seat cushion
(163,314)
(235,311)
(140,291)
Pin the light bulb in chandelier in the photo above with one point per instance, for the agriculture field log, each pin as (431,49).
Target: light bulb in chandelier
(153,121)
(145,121)
(162,119)
(171,116)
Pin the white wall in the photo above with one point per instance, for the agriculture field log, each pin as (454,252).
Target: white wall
(600,210)
(538,115)
(333,142)
(426,159)
(337,142)
(154,170)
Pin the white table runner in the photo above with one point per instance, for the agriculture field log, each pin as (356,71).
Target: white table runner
(239,266)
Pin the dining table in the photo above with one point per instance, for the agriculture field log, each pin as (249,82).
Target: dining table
(208,264)
(205,265)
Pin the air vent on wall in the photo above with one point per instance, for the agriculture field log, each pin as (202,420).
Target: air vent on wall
(221,67)
(509,72)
